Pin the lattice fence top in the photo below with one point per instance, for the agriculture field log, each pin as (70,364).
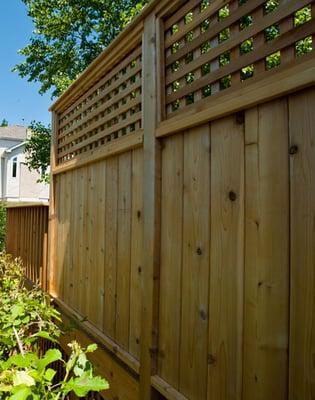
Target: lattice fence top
(111,109)
(214,45)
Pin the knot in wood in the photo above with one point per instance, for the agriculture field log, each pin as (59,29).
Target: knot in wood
(211,359)
(199,251)
(232,195)
(203,315)
(293,149)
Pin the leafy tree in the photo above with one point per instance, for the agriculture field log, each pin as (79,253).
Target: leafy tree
(68,36)
(4,123)
(37,149)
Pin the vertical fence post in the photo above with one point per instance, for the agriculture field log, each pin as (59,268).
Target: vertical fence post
(52,210)
(151,203)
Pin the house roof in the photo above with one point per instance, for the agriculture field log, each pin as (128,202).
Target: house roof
(17,146)
(13,132)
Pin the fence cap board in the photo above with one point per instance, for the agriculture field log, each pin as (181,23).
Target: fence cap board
(22,204)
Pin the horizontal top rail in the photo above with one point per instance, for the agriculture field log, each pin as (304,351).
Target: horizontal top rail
(26,204)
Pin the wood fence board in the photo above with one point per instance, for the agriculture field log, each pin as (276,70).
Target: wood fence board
(110,265)
(123,249)
(302,321)
(136,252)
(226,260)
(267,250)
(195,279)
(171,259)
(96,293)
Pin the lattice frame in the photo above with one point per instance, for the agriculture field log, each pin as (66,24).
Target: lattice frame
(111,109)
(211,46)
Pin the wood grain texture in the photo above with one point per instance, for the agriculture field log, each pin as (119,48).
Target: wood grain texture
(123,250)
(110,265)
(151,213)
(195,255)
(21,236)
(226,260)
(96,306)
(302,326)
(171,259)
(267,252)
(136,267)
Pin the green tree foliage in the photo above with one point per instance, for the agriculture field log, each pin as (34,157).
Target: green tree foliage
(37,149)
(68,36)
(4,123)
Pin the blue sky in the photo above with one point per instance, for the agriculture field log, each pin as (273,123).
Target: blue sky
(20,101)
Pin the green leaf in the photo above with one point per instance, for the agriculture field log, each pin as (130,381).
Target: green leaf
(49,374)
(80,365)
(21,361)
(50,356)
(23,378)
(84,384)
(45,335)
(17,310)
(91,348)
(21,393)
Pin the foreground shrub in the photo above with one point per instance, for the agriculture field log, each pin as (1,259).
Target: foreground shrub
(27,317)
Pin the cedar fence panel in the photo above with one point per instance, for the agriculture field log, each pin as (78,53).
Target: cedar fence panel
(27,238)
(181,214)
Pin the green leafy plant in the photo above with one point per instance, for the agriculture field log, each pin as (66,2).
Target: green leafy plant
(28,377)
(26,318)
(25,315)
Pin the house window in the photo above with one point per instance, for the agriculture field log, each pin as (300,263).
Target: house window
(14,167)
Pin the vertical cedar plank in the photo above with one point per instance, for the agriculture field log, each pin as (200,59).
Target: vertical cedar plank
(81,289)
(171,259)
(52,210)
(111,246)
(72,243)
(86,223)
(195,270)
(76,238)
(136,252)
(59,255)
(266,309)
(81,179)
(302,329)
(96,310)
(151,196)
(123,253)
(226,260)
(91,240)
(66,242)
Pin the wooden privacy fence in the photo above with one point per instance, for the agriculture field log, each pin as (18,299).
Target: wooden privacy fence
(183,202)
(27,238)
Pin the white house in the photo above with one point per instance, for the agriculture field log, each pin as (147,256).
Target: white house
(17,183)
